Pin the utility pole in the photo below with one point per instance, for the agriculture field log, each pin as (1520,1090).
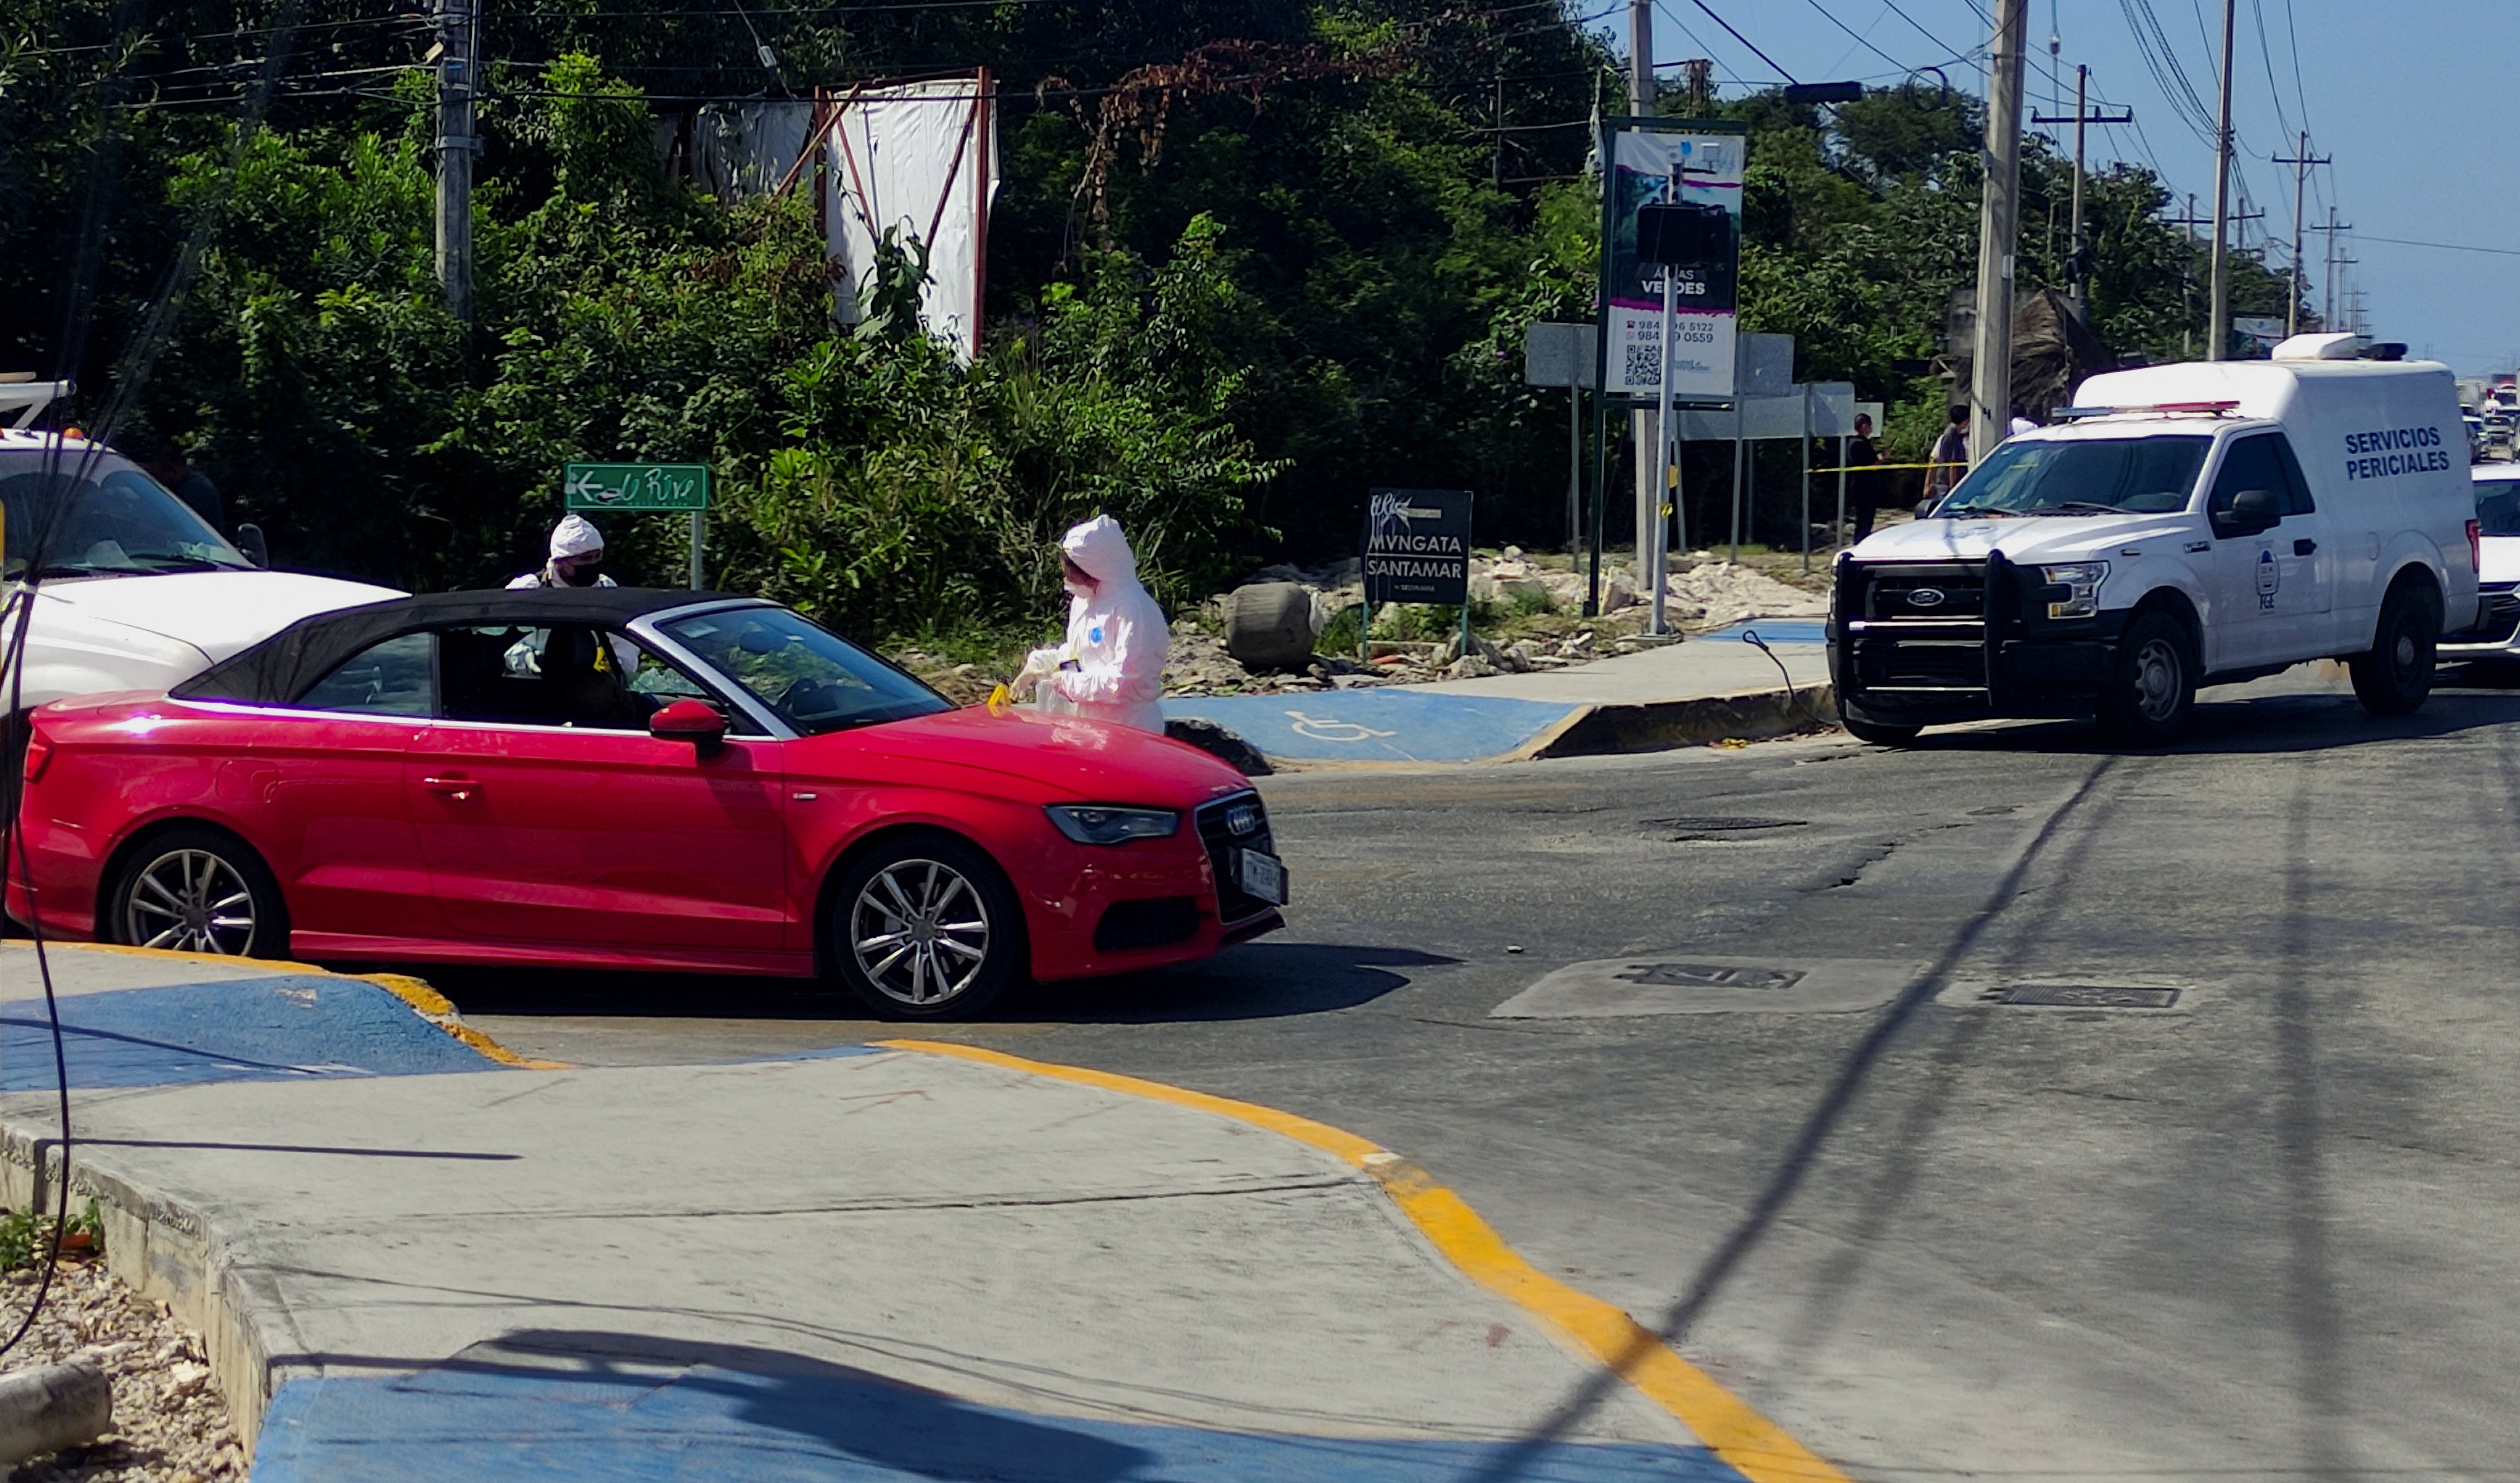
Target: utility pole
(1998,230)
(2188,273)
(2300,161)
(2327,318)
(455,56)
(1642,421)
(2218,295)
(2076,274)
(1697,81)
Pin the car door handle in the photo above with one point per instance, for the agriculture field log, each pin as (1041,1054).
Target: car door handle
(2304,547)
(458,788)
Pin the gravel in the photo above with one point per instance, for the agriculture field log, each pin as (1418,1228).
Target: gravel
(171,1425)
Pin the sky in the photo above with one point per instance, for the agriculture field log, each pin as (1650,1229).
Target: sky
(2411,98)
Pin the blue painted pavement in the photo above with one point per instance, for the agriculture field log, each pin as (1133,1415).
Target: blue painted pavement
(286,1028)
(1775,631)
(1378,725)
(782,1418)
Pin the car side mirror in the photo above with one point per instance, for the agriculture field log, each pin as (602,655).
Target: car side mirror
(250,541)
(2252,511)
(694,721)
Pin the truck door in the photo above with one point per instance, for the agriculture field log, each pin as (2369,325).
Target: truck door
(2273,589)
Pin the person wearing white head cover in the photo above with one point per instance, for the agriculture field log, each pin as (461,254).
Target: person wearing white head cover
(576,561)
(1111,668)
(576,558)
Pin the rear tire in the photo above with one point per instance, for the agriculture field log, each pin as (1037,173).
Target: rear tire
(2395,675)
(198,891)
(924,926)
(2152,683)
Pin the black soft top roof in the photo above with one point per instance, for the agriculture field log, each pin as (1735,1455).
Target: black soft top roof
(286,665)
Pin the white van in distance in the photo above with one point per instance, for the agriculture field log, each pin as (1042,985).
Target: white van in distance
(2190,524)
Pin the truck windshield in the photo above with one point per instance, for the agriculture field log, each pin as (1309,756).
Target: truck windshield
(2084,475)
(115,522)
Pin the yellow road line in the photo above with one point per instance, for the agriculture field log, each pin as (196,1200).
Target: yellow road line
(1753,1445)
(431,1004)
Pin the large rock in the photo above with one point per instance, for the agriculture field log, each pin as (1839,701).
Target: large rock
(1269,625)
(1217,742)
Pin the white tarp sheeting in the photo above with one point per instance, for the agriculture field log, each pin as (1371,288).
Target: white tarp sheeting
(742,149)
(920,158)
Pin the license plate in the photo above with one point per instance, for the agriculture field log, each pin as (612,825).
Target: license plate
(1261,875)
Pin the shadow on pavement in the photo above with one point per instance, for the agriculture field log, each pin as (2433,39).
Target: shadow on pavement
(1257,980)
(2257,725)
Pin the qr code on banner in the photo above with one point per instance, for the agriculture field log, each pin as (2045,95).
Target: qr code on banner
(1645,363)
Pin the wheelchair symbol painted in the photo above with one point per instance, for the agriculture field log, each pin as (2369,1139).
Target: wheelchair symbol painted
(1332,730)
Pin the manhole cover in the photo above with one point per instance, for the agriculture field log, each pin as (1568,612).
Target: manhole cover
(1708,975)
(2086,996)
(1698,827)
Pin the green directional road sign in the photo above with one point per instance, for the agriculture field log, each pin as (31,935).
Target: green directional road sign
(637,487)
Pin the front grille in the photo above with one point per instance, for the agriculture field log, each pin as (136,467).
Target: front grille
(1927,593)
(1914,665)
(1216,832)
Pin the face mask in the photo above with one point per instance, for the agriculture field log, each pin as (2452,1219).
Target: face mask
(585,575)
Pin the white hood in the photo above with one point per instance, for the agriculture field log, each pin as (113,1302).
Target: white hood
(2024,540)
(95,634)
(218,612)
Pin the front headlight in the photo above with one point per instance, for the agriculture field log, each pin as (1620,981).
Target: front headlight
(1105,824)
(2082,584)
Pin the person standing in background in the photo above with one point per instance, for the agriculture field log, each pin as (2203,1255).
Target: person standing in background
(1950,459)
(1862,489)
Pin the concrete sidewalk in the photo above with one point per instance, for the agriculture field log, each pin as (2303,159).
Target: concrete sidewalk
(1698,690)
(411,1261)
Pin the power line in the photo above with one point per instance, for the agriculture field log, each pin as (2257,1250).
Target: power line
(1737,36)
(2442,246)
(1860,38)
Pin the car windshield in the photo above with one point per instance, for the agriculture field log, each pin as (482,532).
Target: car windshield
(2081,476)
(2498,507)
(109,519)
(814,678)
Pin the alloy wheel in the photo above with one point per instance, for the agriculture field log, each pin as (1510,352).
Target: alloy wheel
(190,900)
(919,932)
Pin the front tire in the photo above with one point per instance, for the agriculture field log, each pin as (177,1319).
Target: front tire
(2394,676)
(926,927)
(2152,683)
(198,891)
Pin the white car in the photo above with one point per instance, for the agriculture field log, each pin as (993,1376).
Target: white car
(2186,525)
(2496,633)
(136,592)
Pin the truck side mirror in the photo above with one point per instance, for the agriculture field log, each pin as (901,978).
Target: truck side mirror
(249,540)
(2252,511)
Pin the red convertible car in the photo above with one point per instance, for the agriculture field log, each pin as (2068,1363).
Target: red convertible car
(622,777)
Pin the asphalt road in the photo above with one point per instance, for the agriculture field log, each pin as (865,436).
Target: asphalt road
(2265,1232)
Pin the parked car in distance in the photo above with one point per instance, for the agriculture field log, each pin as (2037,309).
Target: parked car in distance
(135,592)
(2496,633)
(629,777)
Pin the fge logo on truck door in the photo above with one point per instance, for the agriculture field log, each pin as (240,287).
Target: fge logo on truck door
(2376,454)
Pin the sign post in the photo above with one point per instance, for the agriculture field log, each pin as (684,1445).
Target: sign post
(1416,550)
(1671,210)
(644,487)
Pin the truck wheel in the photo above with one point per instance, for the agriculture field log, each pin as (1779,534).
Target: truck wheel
(2395,675)
(2152,685)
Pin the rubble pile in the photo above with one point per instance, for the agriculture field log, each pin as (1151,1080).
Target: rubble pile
(169,1422)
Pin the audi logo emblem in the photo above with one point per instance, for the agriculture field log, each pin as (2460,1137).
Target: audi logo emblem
(1926,596)
(1243,819)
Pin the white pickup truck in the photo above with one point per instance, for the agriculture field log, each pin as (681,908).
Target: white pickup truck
(2183,526)
(136,592)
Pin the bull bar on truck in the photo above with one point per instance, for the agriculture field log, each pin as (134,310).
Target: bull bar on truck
(1922,642)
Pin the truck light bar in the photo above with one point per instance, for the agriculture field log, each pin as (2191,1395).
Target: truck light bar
(2159,409)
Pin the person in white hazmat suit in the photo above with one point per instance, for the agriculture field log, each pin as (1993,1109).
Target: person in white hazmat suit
(1111,668)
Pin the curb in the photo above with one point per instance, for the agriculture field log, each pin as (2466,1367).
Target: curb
(1647,726)
(165,1250)
(1730,1428)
